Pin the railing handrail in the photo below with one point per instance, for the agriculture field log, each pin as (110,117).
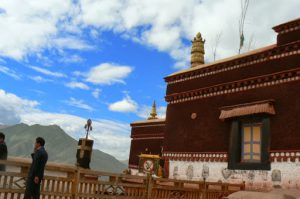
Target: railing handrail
(26,162)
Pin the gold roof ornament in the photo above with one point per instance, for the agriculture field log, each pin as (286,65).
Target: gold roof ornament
(153,114)
(197,52)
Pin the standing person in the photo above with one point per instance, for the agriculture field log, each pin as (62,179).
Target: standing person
(36,171)
(3,151)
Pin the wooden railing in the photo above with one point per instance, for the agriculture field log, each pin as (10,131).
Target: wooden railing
(70,182)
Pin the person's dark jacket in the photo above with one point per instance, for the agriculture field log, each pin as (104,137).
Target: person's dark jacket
(39,160)
(3,155)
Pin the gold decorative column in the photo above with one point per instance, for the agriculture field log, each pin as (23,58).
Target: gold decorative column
(197,52)
(153,114)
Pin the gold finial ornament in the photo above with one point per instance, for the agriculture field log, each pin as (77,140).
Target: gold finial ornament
(197,52)
(153,114)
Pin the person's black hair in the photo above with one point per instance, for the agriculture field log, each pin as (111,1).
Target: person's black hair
(40,140)
(2,135)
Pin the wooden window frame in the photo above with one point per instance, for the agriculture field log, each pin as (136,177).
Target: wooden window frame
(235,146)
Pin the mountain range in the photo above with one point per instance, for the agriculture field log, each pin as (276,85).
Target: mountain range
(59,145)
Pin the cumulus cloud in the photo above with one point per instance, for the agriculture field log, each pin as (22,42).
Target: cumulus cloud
(11,106)
(111,137)
(9,72)
(108,73)
(165,25)
(124,105)
(79,85)
(79,104)
(30,27)
(47,72)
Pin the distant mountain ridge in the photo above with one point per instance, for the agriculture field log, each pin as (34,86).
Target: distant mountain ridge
(59,145)
(3,126)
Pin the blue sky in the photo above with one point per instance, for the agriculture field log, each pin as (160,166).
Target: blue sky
(62,62)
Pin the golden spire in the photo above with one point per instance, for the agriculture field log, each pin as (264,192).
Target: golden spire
(153,112)
(197,52)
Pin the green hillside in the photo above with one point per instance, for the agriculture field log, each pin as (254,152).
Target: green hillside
(59,145)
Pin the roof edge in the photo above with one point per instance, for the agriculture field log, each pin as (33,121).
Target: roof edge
(289,24)
(161,120)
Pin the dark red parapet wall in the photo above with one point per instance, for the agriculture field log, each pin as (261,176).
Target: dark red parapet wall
(288,32)
(259,62)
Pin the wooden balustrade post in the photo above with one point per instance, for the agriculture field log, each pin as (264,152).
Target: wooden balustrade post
(205,189)
(200,190)
(225,191)
(244,185)
(75,182)
(149,186)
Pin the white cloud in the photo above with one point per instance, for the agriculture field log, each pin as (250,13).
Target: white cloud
(167,24)
(47,72)
(107,10)
(31,27)
(79,85)
(144,111)
(9,72)
(79,104)
(124,105)
(11,106)
(111,137)
(108,73)
(96,93)
(39,79)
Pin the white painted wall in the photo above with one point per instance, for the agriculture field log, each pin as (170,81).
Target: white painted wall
(255,180)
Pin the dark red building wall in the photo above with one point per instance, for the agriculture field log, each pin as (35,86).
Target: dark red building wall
(271,66)
(207,133)
(146,135)
(148,130)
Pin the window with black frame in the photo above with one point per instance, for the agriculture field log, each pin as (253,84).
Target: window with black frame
(249,134)
(249,143)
